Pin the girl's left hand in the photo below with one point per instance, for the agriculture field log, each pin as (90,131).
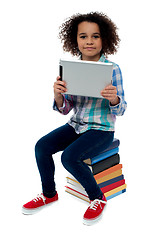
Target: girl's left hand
(110,93)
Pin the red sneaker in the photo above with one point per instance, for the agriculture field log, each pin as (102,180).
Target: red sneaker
(94,211)
(37,204)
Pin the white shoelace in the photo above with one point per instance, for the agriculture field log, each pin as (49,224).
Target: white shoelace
(39,197)
(94,204)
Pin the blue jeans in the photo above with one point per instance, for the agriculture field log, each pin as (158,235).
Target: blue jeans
(76,148)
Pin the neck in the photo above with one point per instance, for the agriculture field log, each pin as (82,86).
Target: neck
(90,58)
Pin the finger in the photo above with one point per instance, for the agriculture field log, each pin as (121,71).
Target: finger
(109,94)
(110,87)
(59,84)
(58,78)
(60,91)
(63,89)
(59,87)
(111,91)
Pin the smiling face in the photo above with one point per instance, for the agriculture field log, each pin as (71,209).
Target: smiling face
(89,41)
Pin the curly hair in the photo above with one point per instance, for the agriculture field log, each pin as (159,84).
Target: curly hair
(108,31)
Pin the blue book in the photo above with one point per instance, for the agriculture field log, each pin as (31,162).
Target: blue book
(113,180)
(116,194)
(104,155)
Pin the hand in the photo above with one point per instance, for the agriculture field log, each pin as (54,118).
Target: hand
(110,93)
(59,87)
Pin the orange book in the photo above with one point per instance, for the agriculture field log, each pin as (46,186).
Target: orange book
(108,171)
(109,176)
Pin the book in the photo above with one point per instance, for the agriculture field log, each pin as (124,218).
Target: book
(112,186)
(109,176)
(77,194)
(104,155)
(85,198)
(115,144)
(110,181)
(103,164)
(110,194)
(71,180)
(104,189)
(108,171)
(122,187)
(114,174)
(116,194)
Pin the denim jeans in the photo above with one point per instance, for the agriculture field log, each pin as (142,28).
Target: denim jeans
(76,148)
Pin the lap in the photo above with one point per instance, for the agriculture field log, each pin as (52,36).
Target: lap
(89,144)
(82,146)
(58,139)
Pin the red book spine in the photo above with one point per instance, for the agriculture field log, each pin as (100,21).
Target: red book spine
(112,186)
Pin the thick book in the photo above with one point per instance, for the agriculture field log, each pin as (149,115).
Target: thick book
(115,144)
(104,155)
(116,194)
(109,176)
(77,194)
(108,171)
(112,186)
(85,198)
(105,189)
(110,181)
(103,164)
(71,180)
(122,187)
(110,194)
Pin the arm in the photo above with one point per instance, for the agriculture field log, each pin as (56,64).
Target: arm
(62,103)
(115,93)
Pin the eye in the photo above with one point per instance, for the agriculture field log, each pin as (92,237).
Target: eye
(83,37)
(96,36)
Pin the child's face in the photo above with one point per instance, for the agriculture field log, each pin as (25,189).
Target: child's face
(89,41)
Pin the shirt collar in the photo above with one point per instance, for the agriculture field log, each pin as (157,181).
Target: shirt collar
(102,58)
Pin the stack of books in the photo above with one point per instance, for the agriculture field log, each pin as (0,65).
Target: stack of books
(107,171)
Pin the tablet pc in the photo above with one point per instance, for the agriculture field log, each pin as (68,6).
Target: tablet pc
(85,78)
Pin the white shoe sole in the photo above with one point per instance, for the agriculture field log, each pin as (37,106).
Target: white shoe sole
(91,222)
(95,220)
(27,211)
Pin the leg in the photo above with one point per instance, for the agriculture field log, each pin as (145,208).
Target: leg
(88,145)
(55,141)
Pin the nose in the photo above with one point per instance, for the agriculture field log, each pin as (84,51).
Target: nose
(89,41)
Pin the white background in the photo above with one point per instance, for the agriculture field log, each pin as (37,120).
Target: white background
(29,55)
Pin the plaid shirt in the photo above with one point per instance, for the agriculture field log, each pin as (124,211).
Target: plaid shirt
(95,113)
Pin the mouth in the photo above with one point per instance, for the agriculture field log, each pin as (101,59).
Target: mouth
(89,48)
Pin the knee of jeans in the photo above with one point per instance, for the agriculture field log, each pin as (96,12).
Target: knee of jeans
(64,159)
(40,148)
(70,160)
(67,160)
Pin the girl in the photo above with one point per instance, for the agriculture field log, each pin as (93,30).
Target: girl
(91,128)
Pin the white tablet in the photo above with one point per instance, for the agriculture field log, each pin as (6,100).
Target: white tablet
(85,78)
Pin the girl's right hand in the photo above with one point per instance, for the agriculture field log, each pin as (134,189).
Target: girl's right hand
(59,87)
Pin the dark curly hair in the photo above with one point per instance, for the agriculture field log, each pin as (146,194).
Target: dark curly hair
(108,31)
